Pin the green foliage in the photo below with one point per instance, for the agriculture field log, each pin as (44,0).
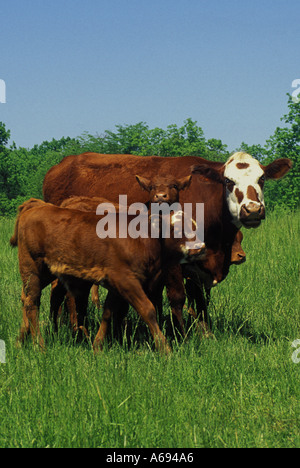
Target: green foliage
(22,170)
(141,140)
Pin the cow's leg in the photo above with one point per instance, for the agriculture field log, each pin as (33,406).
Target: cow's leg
(119,313)
(114,306)
(80,291)
(204,301)
(190,293)
(105,321)
(71,310)
(199,295)
(58,292)
(176,295)
(95,296)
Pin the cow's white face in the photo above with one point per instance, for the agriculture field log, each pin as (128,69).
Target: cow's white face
(244,179)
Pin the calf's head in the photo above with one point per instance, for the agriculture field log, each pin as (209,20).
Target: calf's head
(244,177)
(164,189)
(238,255)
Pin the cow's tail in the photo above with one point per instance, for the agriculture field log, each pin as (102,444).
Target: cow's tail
(32,203)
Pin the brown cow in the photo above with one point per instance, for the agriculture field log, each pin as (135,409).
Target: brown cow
(62,243)
(108,176)
(232,194)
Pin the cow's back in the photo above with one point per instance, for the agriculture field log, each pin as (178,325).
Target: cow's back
(109,175)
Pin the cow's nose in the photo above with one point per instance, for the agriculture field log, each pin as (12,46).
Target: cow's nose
(253,208)
(161,197)
(252,214)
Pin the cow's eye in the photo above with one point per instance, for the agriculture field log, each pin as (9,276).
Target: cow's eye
(174,186)
(229,182)
(262,179)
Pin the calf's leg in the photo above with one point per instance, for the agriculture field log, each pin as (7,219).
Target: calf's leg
(132,291)
(114,306)
(31,295)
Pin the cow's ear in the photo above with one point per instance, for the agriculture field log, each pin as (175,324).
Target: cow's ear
(277,168)
(185,182)
(208,172)
(144,183)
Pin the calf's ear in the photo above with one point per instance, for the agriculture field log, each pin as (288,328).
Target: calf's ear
(277,168)
(144,183)
(208,172)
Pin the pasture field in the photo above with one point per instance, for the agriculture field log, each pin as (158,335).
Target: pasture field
(238,389)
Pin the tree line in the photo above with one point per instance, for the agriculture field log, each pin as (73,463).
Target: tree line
(22,170)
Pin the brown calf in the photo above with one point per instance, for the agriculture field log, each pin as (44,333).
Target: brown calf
(61,243)
(164,190)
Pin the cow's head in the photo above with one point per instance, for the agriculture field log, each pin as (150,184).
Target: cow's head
(244,177)
(164,189)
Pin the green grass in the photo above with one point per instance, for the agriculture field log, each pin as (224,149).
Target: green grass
(240,389)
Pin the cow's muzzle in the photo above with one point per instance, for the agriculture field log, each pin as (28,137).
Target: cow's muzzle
(252,214)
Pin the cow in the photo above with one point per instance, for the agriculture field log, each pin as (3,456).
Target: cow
(232,193)
(55,242)
(107,176)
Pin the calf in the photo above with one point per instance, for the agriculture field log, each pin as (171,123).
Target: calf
(62,243)
(197,294)
(164,190)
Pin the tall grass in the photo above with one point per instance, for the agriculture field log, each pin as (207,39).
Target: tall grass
(240,389)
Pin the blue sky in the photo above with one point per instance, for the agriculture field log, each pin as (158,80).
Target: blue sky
(72,66)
